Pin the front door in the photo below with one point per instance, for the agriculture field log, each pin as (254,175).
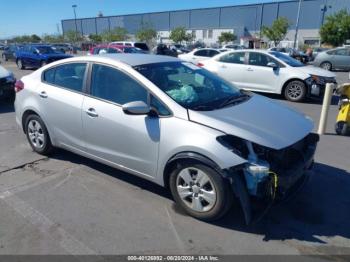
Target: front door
(129,141)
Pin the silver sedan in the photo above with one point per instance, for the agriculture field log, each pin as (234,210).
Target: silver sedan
(170,122)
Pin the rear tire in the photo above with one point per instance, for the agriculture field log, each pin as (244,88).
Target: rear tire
(341,128)
(37,135)
(20,64)
(326,66)
(295,91)
(200,191)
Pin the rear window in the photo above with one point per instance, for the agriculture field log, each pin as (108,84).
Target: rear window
(69,76)
(142,46)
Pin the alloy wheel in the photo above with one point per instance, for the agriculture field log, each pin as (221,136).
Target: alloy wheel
(36,134)
(196,189)
(295,90)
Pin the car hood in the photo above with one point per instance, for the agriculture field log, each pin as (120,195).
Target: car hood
(259,120)
(4,72)
(313,70)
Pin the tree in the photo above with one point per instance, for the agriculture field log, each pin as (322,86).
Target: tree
(35,38)
(52,38)
(72,36)
(277,32)
(227,37)
(146,34)
(178,35)
(336,30)
(95,38)
(116,34)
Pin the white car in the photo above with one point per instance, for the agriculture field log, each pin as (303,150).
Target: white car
(271,72)
(199,55)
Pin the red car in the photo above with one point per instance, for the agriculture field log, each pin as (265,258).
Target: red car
(112,48)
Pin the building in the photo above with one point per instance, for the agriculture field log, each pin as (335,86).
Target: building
(206,24)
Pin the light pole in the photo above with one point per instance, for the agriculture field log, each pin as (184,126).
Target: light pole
(75,20)
(297,25)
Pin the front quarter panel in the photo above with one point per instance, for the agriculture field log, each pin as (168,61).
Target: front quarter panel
(179,135)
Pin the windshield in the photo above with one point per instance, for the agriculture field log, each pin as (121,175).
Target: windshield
(287,59)
(191,86)
(46,50)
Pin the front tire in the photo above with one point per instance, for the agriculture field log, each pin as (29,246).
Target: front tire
(200,191)
(20,64)
(341,128)
(295,91)
(326,66)
(37,135)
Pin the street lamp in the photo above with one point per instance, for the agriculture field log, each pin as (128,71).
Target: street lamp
(75,20)
(297,25)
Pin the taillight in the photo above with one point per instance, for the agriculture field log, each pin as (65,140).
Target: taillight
(200,64)
(19,85)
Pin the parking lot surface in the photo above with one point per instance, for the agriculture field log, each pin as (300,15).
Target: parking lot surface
(67,204)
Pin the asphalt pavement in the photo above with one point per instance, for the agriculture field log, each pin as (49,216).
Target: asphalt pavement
(67,204)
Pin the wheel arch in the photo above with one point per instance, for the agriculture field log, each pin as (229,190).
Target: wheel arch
(291,80)
(185,157)
(25,114)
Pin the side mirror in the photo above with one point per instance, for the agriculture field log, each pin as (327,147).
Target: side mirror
(136,108)
(273,65)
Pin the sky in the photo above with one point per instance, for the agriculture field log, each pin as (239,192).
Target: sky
(40,17)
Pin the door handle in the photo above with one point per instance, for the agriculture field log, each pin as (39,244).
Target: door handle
(91,112)
(43,94)
(250,69)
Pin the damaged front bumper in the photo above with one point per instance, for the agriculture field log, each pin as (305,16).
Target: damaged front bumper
(290,167)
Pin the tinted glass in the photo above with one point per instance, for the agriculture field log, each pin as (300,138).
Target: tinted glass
(287,59)
(70,76)
(258,59)
(342,52)
(113,51)
(142,46)
(113,85)
(49,76)
(201,53)
(233,58)
(190,86)
(45,50)
(213,52)
(96,51)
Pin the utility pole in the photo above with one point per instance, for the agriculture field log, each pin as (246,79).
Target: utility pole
(75,20)
(297,25)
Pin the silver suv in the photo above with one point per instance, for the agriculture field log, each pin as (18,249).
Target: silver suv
(170,122)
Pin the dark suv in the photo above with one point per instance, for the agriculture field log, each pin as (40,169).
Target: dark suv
(36,56)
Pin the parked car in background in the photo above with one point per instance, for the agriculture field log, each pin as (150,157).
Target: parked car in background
(162,49)
(333,59)
(64,48)
(271,72)
(37,55)
(180,49)
(114,48)
(104,49)
(296,54)
(234,47)
(7,83)
(170,122)
(199,54)
(2,47)
(140,45)
(9,53)
(316,51)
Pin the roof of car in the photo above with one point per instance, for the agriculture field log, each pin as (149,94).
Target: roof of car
(140,59)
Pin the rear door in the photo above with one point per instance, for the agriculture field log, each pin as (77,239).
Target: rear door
(341,58)
(232,67)
(128,141)
(61,97)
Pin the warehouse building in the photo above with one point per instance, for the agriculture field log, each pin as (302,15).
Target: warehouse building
(206,24)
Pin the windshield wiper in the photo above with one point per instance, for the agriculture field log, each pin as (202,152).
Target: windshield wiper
(234,100)
(202,108)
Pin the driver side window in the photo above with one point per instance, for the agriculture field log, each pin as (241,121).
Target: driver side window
(257,59)
(233,58)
